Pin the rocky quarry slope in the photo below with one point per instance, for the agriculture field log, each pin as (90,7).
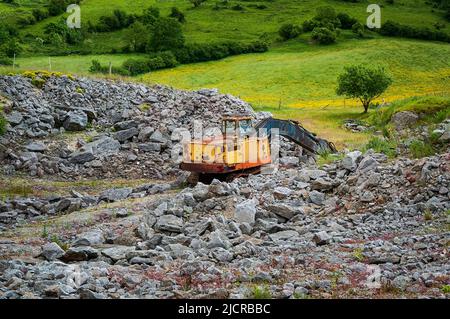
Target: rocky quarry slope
(363,226)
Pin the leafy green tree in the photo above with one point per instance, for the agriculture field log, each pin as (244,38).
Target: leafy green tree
(136,36)
(12,47)
(166,35)
(363,83)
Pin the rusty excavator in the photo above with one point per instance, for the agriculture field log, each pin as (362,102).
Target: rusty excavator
(239,151)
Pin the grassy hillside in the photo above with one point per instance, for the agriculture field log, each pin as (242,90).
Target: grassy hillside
(302,75)
(209,24)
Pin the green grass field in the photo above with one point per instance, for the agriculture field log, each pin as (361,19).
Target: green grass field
(299,74)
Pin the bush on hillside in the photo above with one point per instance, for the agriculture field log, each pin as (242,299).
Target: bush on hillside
(196,3)
(346,20)
(324,35)
(117,21)
(289,31)
(55,32)
(149,16)
(188,54)
(158,61)
(4,60)
(177,14)
(390,28)
(96,67)
(11,47)
(40,14)
(207,52)
(358,29)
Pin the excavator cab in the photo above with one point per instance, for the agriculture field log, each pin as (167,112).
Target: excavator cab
(237,126)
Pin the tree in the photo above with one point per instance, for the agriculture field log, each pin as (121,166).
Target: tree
(363,83)
(166,35)
(12,47)
(136,36)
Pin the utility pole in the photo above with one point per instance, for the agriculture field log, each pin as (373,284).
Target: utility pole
(14,62)
(49,63)
(110,68)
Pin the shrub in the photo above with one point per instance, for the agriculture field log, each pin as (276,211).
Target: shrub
(117,21)
(419,149)
(3,123)
(193,53)
(40,14)
(358,29)
(98,68)
(289,31)
(11,47)
(381,145)
(177,14)
(346,21)
(196,3)
(4,60)
(158,61)
(323,35)
(394,29)
(56,7)
(260,292)
(150,15)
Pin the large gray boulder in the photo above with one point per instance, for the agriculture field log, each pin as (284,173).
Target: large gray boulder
(90,238)
(115,194)
(123,136)
(404,119)
(169,223)
(118,252)
(82,156)
(75,121)
(52,251)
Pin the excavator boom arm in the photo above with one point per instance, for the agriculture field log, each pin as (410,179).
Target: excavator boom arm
(296,133)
